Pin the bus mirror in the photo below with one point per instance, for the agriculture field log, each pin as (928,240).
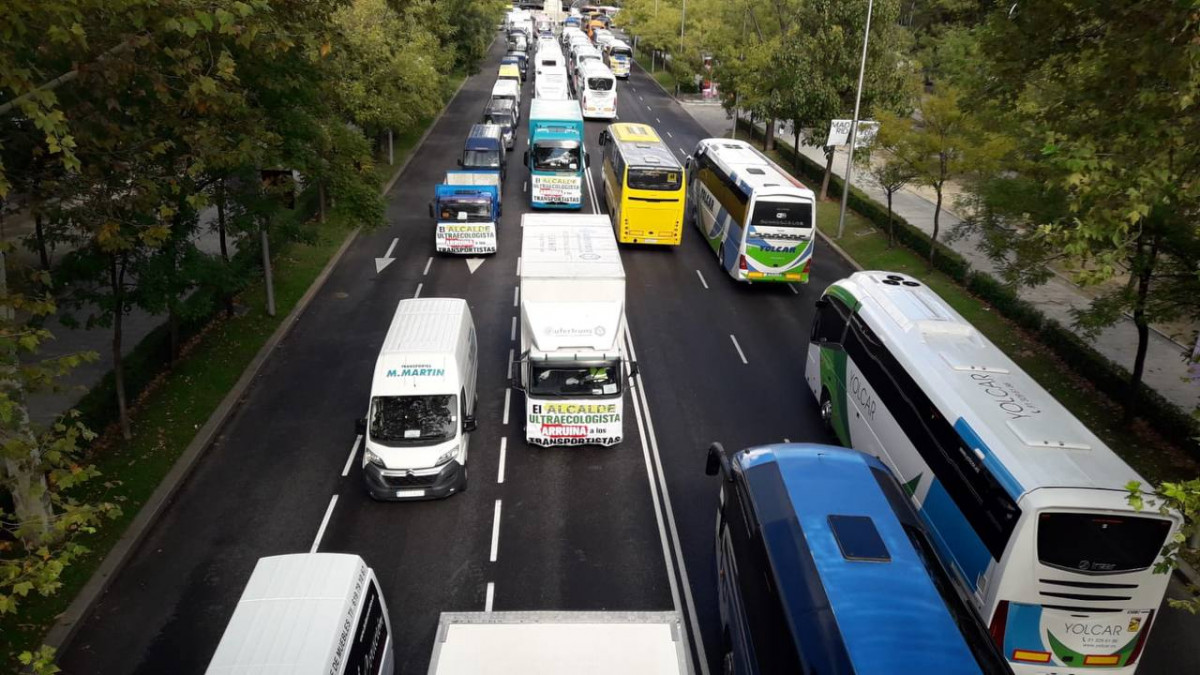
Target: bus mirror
(717,462)
(603,138)
(821,303)
(360,426)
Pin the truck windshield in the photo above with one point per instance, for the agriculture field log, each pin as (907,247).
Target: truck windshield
(475,210)
(481,159)
(413,420)
(574,380)
(561,156)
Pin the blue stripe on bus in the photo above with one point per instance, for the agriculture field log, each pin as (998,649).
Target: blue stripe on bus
(1010,484)
(1024,630)
(954,537)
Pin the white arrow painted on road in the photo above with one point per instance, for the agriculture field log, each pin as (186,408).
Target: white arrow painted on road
(473,264)
(387,259)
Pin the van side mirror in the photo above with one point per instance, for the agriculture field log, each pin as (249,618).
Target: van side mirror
(716,462)
(460,162)
(431,210)
(469,423)
(360,427)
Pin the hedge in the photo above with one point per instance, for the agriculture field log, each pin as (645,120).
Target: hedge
(1108,377)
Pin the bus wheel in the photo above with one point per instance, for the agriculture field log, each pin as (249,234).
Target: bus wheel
(826,410)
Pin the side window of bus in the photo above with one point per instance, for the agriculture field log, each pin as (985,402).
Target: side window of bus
(829,324)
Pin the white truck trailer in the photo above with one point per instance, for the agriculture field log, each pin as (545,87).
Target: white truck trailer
(578,643)
(573,368)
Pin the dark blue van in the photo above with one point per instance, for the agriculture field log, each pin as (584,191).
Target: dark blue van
(484,150)
(824,567)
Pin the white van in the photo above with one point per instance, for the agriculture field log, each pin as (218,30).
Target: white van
(422,407)
(509,90)
(308,614)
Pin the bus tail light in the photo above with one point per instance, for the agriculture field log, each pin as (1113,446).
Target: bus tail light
(807,264)
(742,263)
(999,624)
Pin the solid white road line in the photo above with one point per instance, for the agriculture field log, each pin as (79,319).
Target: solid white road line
(793,288)
(516,296)
(495,532)
(702,279)
(324,524)
(639,395)
(518,266)
(512,332)
(503,455)
(739,348)
(418,293)
(353,453)
(491,594)
(428,263)
(507,400)
(391,247)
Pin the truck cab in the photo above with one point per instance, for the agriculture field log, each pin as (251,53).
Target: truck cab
(465,209)
(503,112)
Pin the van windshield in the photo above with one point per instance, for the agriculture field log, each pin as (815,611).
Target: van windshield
(481,159)
(575,380)
(413,420)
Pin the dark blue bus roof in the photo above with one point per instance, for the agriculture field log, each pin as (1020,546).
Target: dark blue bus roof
(857,613)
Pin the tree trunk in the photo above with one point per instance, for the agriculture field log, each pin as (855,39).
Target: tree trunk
(1144,275)
(937,212)
(796,146)
(117,282)
(828,171)
(891,225)
(769,140)
(221,237)
(40,238)
(321,201)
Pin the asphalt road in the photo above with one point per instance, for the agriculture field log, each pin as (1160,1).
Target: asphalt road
(622,528)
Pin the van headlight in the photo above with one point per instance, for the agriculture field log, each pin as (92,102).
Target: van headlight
(447,456)
(372,458)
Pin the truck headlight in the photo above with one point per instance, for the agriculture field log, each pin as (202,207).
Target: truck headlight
(447,456)
(372,458)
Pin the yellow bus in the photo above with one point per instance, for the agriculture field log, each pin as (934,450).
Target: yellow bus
(643,185)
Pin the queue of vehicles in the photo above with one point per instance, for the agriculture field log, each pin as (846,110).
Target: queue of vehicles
(970,524)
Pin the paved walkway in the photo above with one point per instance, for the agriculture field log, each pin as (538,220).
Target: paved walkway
(1165,359)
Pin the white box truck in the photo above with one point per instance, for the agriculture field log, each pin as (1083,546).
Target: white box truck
(308,614)
(552,643)
(573,368)
(422,407)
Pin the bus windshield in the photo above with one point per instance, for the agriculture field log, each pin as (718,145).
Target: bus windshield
(599,84)
(481,159)
(463,209)
(560,156)
(413,420)
(654,179)
(1092,543)
(782,214)
(575,380)
(620,52)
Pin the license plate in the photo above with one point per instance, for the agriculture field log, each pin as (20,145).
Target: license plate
(400,494)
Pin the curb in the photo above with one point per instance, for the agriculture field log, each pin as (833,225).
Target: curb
(67,623)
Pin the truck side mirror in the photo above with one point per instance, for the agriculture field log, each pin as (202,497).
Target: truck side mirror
(469,423)
(603,138)
(587,159)
(716,462)
(633,370)
(460,161)
(431,210)
(525,158)
(360,427)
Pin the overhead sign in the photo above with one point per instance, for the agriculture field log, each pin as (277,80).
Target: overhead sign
(839,133)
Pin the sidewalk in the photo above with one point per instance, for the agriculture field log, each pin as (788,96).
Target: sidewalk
(45,407)
(1165,365)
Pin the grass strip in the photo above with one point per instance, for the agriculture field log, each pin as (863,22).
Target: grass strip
(1156,458)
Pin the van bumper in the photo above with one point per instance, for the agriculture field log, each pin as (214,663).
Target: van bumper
(397,487)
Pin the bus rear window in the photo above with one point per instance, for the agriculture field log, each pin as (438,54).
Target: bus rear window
(1092,543)
(654,179)
(599,84)
(782,214)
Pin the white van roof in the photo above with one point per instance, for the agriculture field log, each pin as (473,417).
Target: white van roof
(293,616)
(419,353)
(1036,439)
(506,88)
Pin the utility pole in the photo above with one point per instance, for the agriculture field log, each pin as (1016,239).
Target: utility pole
(862,68)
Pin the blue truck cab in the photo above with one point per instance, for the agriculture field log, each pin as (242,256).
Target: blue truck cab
(465,210)
(484,151)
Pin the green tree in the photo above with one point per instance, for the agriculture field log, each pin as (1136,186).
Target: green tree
(1183,499)
(886,164)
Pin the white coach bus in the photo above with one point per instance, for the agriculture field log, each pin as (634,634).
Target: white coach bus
(1025,504)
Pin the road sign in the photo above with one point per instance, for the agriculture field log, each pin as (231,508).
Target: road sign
(839,133)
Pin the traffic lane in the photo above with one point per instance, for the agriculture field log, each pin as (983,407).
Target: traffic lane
(251,496)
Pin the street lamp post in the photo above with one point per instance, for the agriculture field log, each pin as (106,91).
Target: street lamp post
(862,67)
